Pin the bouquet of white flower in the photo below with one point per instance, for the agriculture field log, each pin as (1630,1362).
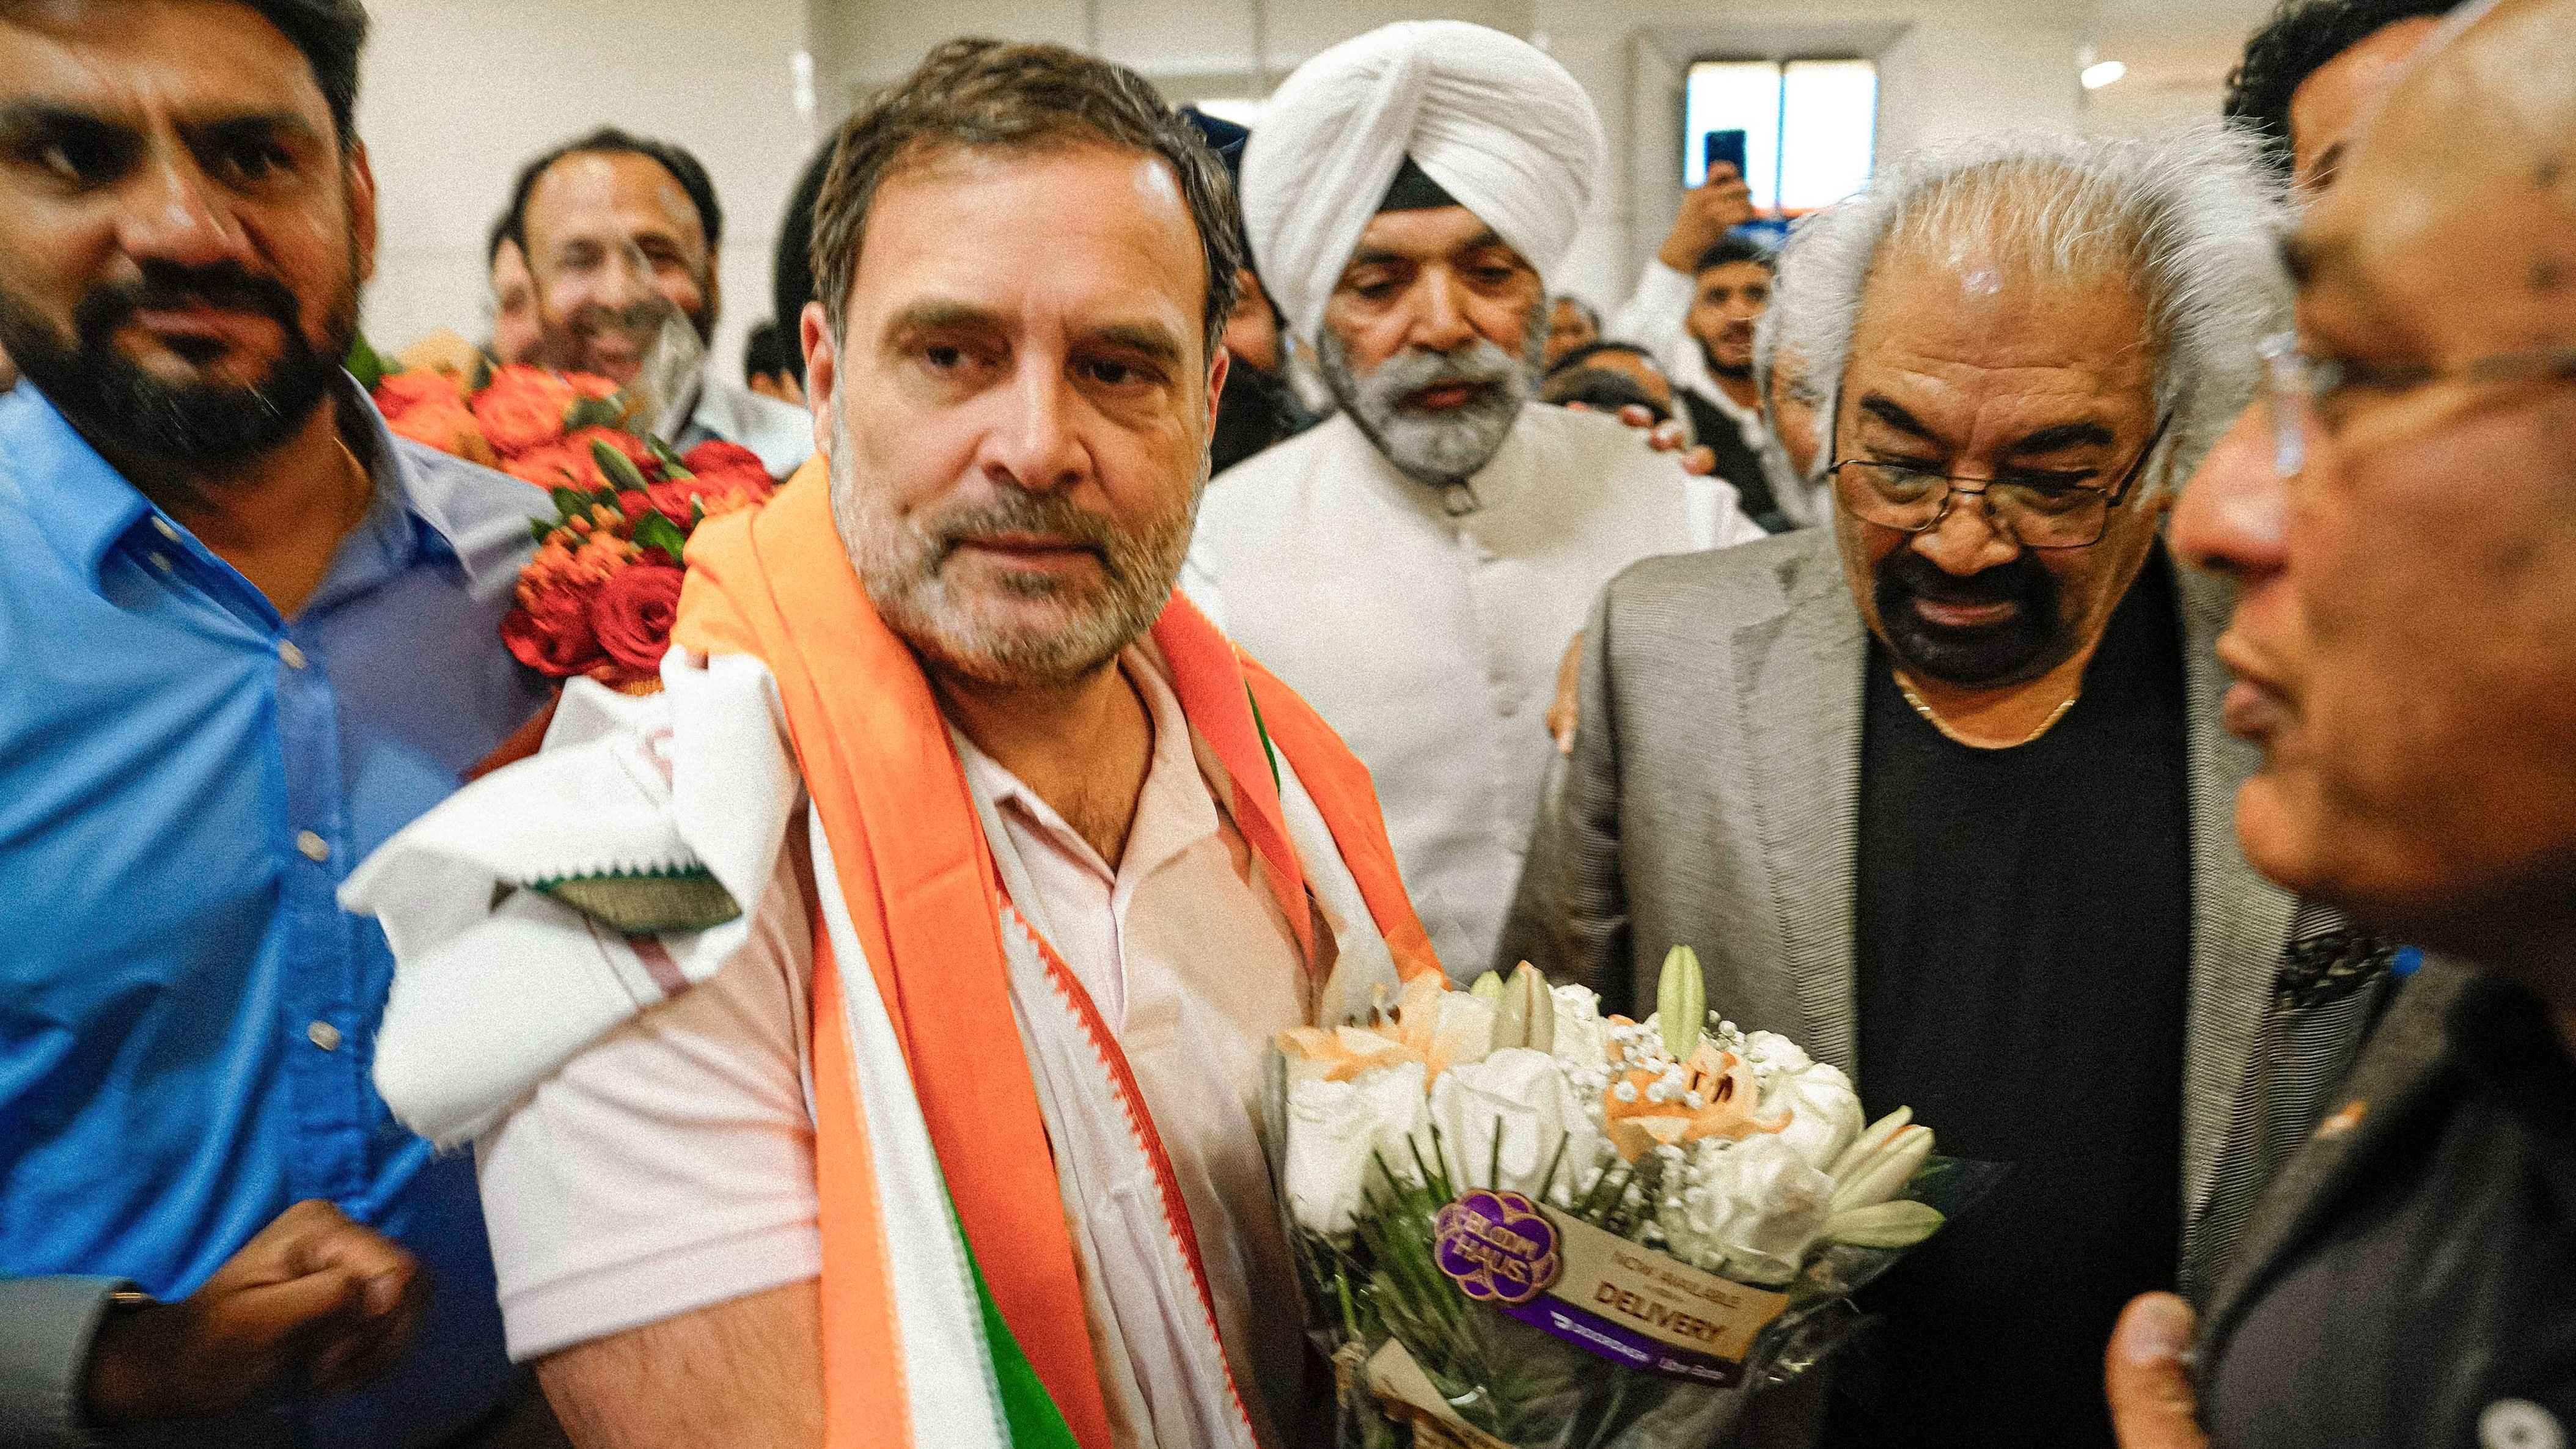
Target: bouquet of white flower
(1522,1224)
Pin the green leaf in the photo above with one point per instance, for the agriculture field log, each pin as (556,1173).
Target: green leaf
(570,504)
(592,412)
(538,528)
(655,531)
(365,364)
(620,471)
(672,467)
(1263,730)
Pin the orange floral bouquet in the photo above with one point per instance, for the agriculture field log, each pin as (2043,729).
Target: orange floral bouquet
(535,425)
(599,597)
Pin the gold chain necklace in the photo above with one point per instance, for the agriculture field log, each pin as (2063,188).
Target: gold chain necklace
(1947,733)
(362,486)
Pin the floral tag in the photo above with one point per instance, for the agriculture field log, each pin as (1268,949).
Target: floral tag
(1495,1247)
(1600,1292)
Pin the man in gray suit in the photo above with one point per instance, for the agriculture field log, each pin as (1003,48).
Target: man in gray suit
(1941,792)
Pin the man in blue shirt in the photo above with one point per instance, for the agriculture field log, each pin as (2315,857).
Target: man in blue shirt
(247,636)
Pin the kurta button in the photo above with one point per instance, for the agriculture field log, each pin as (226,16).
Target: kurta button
(314,846)
(324,1035)
(162,527)
(293,656)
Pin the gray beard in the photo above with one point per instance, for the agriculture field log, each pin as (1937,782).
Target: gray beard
(901,564)
(1434,448)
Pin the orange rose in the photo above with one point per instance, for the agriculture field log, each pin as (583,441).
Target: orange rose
(448,427)
(399,392)
(590,385)
(523,408)
(555,465)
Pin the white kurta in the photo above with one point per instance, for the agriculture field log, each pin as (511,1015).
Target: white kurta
(1431,642)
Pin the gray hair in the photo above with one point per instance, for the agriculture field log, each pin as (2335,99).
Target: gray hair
(1787,325)
(2191,216)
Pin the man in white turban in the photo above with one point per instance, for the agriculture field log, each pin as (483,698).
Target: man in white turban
(1416,565)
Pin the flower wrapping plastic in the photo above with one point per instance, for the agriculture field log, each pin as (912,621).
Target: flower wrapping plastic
(1520,1223)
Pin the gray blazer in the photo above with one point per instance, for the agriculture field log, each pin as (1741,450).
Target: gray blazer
(1713,799)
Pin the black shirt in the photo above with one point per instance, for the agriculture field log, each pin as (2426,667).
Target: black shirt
(2024,941)
(2437,1310)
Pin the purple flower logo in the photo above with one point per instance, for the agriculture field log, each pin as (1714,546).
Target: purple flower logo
(1496,1247)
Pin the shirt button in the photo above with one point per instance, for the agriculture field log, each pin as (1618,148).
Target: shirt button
(161,561)
(293,656)
(324,1035)
(313,846)
(162,527)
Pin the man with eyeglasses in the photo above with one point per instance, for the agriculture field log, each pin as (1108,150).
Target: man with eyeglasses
(1940,791)
(2400,520)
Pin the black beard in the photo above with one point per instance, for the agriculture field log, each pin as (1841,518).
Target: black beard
(1720,369)
(121,407)
(2030,643)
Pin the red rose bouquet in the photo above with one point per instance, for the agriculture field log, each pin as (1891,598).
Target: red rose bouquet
(599,597)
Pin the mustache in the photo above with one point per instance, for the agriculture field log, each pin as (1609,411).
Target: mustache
(640,319)
(1479,364)
(1049,515)
(2023,580)
(167,285)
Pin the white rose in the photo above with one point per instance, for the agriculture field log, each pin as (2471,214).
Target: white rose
(1748,1209)
(1503,1120)
(1825,1111)
(1581,1039)
(1770,1051)
(1337,1132)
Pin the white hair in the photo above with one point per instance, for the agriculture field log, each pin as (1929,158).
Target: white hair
(1786,324)
(2191,217)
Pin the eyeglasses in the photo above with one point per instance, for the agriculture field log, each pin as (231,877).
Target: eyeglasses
(2038,509)
(2302,392)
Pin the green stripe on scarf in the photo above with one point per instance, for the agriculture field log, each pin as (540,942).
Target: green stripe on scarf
(1031,1415)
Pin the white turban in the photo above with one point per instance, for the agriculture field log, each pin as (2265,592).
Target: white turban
(1502,128)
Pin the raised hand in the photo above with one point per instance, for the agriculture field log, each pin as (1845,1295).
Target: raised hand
(1707,212)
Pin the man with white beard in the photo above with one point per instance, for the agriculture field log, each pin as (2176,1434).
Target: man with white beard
(1415,566)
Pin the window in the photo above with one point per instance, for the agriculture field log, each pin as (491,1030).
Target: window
(1810,126)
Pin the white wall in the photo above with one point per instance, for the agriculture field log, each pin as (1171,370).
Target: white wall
(457,93)
(1948,66)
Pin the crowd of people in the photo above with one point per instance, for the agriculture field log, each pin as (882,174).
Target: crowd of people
(2082,637)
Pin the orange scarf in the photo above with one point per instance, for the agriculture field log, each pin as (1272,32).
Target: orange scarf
(920,882)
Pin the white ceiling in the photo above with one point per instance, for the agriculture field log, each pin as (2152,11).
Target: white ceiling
(2178,53)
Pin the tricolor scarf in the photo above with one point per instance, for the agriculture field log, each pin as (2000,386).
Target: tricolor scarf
(925,907)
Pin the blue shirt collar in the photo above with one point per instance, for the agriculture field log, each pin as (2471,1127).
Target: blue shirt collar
(84,506)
